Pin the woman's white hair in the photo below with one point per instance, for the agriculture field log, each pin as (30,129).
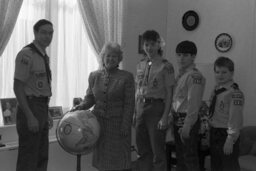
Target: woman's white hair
(111,47)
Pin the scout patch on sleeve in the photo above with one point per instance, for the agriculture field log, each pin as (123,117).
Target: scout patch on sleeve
(24,60)
(197,79)
(169,68)
(237,98)
(237,95)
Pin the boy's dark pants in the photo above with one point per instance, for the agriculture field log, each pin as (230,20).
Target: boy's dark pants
(187,152)
(220,161)
(150,140)
(33,147)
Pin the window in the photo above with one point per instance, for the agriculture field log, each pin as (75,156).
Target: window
(71,54)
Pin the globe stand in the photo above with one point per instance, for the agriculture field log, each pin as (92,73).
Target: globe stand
(78,162)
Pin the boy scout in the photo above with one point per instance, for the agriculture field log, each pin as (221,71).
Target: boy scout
(32,87)
(155,80)
(226,116)
(187,99)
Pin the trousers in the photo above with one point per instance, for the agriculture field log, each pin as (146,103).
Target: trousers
(33,147)
(220,161)
(187,151)
(150,141)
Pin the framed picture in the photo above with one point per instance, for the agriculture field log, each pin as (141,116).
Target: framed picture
(56,112)
(9,109)
(223,42)
(190,20)
(140,46)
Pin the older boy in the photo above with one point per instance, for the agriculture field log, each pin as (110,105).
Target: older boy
(187,99)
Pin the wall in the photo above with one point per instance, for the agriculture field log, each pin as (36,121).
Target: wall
(235,17)
(142,15)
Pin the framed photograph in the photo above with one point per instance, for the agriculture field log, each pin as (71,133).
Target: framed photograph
(223,42)
(140,46)
(56,112)
(9,109)
(190,20)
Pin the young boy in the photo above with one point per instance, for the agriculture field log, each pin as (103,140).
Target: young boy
(187,99)
(226,116)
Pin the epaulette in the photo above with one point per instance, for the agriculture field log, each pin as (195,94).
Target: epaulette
(165,60)
(235,86)
(195,69)
(143,59)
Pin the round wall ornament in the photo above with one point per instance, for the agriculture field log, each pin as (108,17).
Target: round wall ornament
(223,42)
(190,20)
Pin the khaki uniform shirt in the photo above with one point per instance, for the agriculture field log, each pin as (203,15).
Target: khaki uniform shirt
(153,82)
(228,111)
(30,69)
(188,92)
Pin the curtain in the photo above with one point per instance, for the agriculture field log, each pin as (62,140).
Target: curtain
(103,20)
(9,10)
(72,57)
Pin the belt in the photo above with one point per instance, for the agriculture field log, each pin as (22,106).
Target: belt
(39,98)
(152,100)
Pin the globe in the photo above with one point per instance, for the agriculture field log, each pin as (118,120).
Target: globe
(77,132)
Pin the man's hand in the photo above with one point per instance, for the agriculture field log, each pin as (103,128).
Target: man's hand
(50,121)
(33,124)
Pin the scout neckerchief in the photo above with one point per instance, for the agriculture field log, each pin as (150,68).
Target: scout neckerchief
(213,102)
(46,61)
(216,93)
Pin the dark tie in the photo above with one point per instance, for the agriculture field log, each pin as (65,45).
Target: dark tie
(47,68)
(213,102)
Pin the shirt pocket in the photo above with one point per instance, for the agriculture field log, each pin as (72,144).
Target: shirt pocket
(40,79)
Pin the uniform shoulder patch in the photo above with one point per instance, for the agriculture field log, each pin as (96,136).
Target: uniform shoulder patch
(25,60)
(238,98)
(237,94)
(168,66)
(197,78)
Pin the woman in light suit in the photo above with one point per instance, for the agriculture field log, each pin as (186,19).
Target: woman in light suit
(111,91)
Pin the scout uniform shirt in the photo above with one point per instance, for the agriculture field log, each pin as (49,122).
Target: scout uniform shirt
(151,83)
(30,69)
(228,111)
(187,97)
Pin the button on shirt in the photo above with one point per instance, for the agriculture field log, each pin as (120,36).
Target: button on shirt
(152,82)
(30,69)
(188,93)
(228,111)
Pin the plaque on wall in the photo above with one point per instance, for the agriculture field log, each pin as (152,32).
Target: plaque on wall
(223,42)
(190,20)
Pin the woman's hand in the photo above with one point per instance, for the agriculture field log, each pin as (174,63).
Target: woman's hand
(78,107)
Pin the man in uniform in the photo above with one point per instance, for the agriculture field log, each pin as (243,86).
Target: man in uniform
(32,87)
(187,99)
